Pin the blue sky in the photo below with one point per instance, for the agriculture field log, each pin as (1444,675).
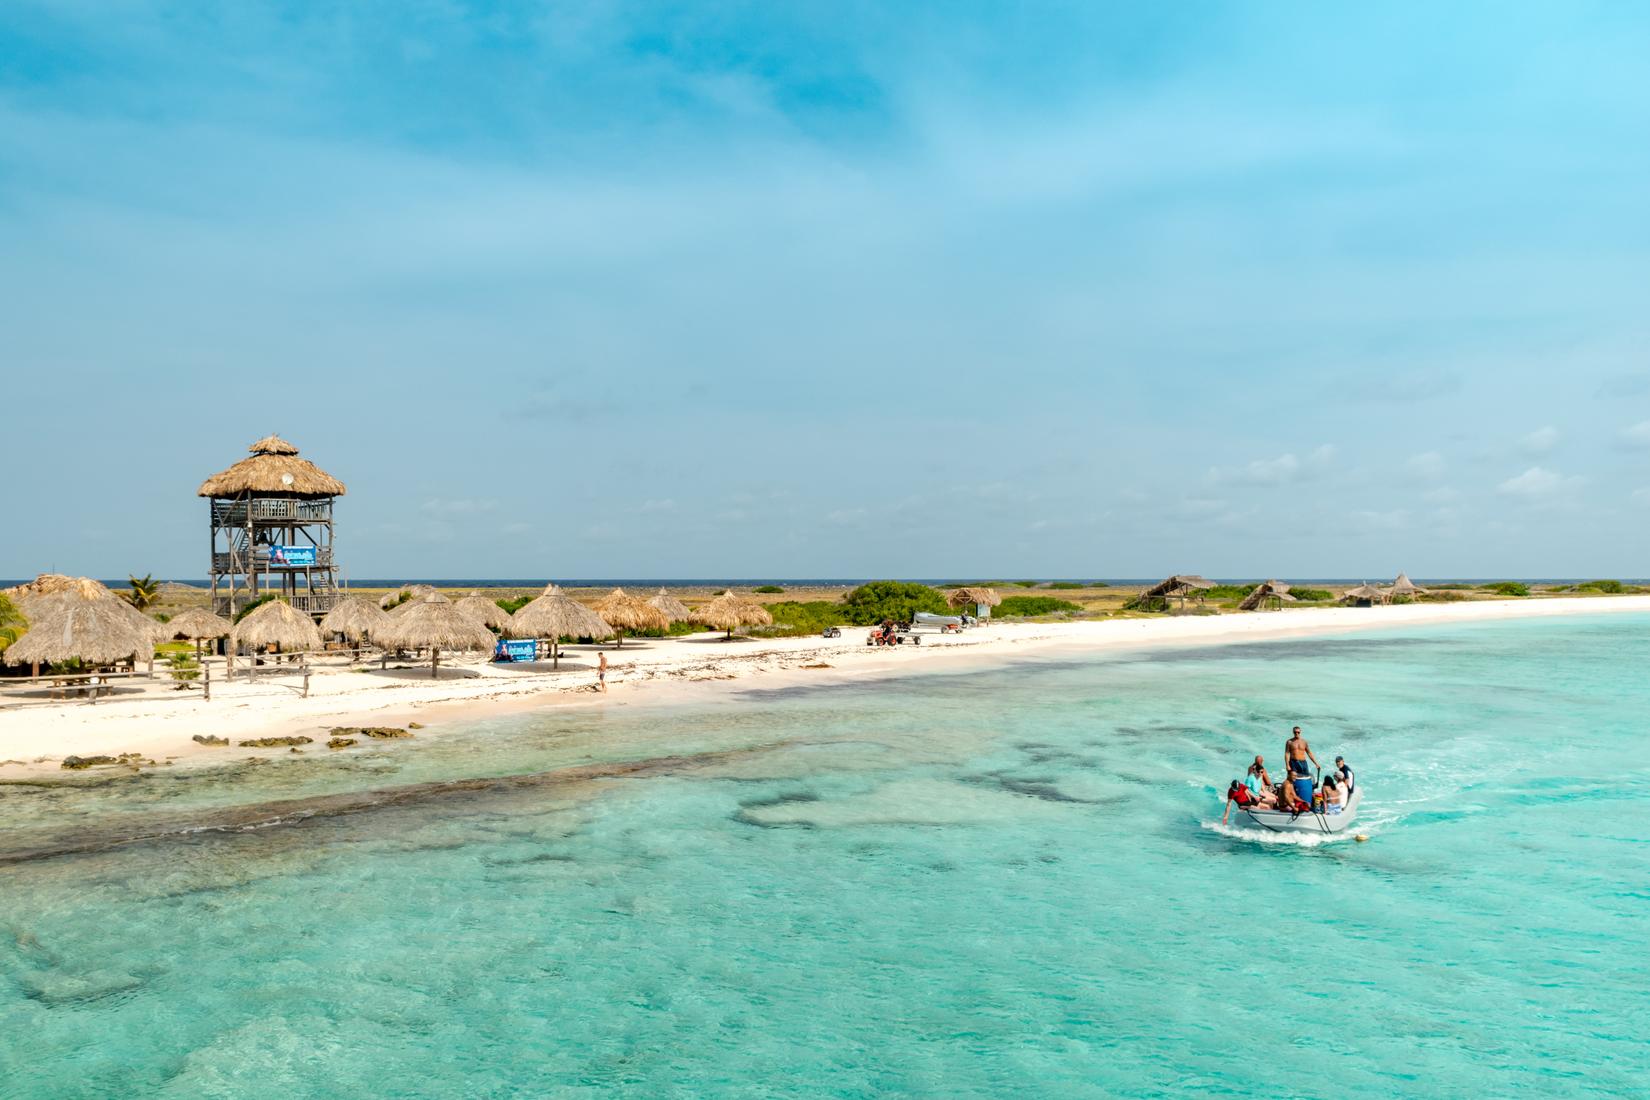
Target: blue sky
(771,289)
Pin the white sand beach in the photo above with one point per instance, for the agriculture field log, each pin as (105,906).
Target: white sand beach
(35,737)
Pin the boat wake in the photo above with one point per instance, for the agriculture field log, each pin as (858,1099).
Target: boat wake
(1289,840)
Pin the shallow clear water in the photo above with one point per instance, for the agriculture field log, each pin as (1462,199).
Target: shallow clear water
(960,886)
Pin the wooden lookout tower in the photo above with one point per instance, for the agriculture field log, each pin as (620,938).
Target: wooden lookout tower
(272,530)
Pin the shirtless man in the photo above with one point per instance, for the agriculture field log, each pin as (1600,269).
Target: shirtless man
(1296,752)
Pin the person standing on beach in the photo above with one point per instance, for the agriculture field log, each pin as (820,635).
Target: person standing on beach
(601,674)
(1296,752)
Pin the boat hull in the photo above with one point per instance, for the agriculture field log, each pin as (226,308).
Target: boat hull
(1274,821)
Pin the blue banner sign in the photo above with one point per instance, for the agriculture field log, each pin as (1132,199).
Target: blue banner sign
(516,649)
(292,555)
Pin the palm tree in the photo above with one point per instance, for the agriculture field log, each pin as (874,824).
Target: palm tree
(12,623)
(145,591)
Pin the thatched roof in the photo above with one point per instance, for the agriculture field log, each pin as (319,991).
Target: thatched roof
(1365,592)
(968,597)
(555,614)
(195,624)
(675,610)
(627,612)
(51,592)
(1178,585)
(434,622)
(485,611)
(274,469)
(1403,586)
(414,590)
(728,612)
(276,623)
(97,631)
(354,618)
(1266,590)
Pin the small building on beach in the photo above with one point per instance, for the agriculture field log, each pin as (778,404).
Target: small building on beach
(272,533)
(1181,586)
(1267,596)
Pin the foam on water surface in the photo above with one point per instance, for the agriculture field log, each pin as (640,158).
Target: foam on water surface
(971,886)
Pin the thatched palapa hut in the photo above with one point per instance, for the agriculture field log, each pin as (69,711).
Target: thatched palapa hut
(1180,586)
(983,600)
(675,610)
(728,612)
(392,600)
(1365,595)
(626,612)
(276,623)
(435,623)
(357,620)
(1403,586)
(94,631)
(50,593)
(485,611)
(556,615)
(1267,596)
(196,625)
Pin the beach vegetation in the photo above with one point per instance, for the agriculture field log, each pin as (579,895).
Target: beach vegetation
(1312,595)
(144,591)
(1229,591)
(1608,588)
(1024,584)
(401,597)
(511,606)
(674,630)
(767,589)
(1069,586)
(12,623)
(1454,587)
(1508,588)
(896,600)
(795,619)
(1028,606)
(185,669)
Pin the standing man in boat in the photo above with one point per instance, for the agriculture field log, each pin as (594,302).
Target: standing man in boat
(1296,752)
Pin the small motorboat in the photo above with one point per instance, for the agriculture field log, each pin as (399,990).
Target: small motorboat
(1307,821)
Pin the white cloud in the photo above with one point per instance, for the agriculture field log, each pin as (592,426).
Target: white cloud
(1638,435)
(1428,464)
(462,506)
(1281,470)
(1537,482)
(1540,442)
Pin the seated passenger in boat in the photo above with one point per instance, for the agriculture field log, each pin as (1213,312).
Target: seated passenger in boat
(1289,798)
(1334,798)
(1257,779)
(1242,795)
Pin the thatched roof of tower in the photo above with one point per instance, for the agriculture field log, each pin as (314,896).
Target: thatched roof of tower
(675,610)
(354,618)
(276,623)
(968,597)
(196,624)
(96,631)
(434,622)
(555,614)
(627,612)
(273,469)
(485,611)
(1266,590)
(729,612)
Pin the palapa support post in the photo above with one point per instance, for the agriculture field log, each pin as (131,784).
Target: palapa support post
(306,678)
(206,683)
(435,660)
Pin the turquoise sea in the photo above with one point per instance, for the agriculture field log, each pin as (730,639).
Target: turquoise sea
(982,884)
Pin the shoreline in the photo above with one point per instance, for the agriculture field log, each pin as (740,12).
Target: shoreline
(34,738)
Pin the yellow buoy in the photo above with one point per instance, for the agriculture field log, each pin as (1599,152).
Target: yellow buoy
(1361,837)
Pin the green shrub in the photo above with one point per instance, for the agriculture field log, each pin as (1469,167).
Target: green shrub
(674,630)
(897,600)
(1312,595)
(1229,591)
(1609,588)
(1454,587)
(792,619)
(12,623)
(184,667)
(1067,586)
(772,589)
(1027,606)
(1024,584)
(512,606)
(1508,588)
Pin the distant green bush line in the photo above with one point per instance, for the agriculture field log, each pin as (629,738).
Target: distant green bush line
(1027,606)
(1312,595)
(768,588)
(896,600)
(1508,588)
(1609,588)
(511,606)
